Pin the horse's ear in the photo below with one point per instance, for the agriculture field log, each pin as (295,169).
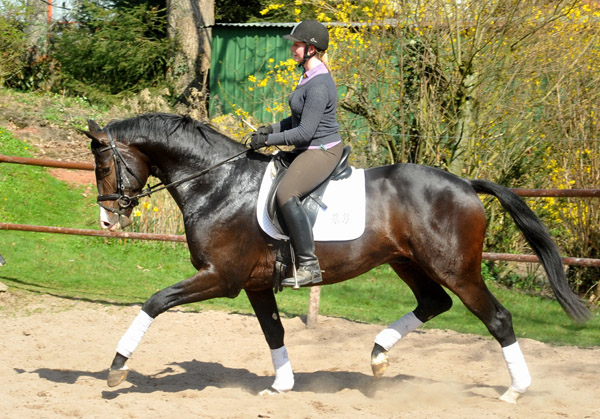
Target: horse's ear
(93,126)
(96,144)
(97,136)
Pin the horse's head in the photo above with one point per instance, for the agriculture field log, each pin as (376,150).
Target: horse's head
(121,173)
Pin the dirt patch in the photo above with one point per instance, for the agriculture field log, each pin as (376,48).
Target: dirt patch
(51,141)
(213,364)
(82,177)
(52,131)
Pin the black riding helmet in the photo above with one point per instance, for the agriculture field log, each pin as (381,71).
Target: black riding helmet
(311,32)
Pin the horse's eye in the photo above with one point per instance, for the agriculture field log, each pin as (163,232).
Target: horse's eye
(103,171)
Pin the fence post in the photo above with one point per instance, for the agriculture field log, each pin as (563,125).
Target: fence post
(3,287)
(313,307)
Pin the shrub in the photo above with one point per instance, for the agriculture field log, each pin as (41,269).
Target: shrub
(13,42)
(112,51)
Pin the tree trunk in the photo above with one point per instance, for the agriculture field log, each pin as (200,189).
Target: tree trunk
(36,28)
(190,23)
(464,144)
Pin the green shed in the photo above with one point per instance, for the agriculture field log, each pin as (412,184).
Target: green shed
(241,50)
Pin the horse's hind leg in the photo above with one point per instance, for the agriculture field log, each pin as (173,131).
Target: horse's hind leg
(265,307)
(432,300)
(498,320)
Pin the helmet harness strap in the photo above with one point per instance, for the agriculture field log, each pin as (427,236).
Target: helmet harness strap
(307,56)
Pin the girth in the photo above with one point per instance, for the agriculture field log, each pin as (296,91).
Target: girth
(312,202)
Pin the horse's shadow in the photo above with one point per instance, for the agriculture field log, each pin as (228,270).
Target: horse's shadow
(198,375)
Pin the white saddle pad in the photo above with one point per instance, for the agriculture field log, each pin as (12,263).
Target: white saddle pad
(344,217)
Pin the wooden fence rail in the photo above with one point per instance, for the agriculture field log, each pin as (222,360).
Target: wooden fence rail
(97,233)
(563,193)
(509,257)
(46,162)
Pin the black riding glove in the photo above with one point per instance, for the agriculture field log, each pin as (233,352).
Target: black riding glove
(265,129)
(258,140)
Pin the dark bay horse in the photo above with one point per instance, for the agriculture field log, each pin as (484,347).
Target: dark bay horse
(427,224)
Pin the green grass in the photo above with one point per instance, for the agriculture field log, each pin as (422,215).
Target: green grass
(53,109)
(128,272)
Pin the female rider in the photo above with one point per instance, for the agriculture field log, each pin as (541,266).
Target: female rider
(313,129)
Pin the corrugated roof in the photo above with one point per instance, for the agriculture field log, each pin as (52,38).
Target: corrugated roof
(259,24)
(291,24)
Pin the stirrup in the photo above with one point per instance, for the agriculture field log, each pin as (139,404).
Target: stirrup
(305,275)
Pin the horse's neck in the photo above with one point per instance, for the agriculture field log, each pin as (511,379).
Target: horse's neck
(177,159)
(176,162)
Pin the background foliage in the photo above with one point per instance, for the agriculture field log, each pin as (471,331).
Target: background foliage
(113,50)
(109,51)
(497,89)
(13,43)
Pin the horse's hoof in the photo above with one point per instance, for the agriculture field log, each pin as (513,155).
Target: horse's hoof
(270,392)
(510,396)
(379,363)
(116,377)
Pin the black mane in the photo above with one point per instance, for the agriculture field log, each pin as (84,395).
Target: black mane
(164,126)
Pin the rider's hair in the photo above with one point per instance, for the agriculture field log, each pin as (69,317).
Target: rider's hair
(322,55)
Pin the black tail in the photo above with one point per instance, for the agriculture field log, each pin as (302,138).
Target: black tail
(542,244)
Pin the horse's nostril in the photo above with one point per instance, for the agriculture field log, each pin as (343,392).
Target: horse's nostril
(104,224)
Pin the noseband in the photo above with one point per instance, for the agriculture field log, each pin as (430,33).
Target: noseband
(125,201)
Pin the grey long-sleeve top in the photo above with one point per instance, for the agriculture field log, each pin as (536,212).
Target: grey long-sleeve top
(313,120)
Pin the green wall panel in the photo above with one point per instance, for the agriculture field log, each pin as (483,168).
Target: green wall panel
(239,51)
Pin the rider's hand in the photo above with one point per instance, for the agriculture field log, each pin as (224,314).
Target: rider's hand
(265,129)
(258,140)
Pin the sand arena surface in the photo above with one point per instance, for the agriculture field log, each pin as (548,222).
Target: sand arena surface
(56,352)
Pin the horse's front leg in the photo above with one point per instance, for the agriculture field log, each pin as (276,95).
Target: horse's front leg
(200,287)
(265,306)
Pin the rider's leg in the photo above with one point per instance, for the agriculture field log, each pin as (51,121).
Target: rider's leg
(307,171)
(300,231)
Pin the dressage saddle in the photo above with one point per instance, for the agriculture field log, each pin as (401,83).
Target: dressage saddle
(312,202)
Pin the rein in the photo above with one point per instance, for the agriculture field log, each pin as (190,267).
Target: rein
(126,201)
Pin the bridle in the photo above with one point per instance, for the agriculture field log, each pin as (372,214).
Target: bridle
(125,201)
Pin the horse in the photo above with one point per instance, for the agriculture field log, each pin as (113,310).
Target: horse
(426,223)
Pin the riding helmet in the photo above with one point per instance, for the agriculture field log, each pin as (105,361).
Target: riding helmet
(311,32)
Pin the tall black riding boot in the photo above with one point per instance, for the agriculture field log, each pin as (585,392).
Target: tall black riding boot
(301,236)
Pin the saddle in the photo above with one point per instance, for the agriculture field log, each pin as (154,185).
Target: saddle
(312,202)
